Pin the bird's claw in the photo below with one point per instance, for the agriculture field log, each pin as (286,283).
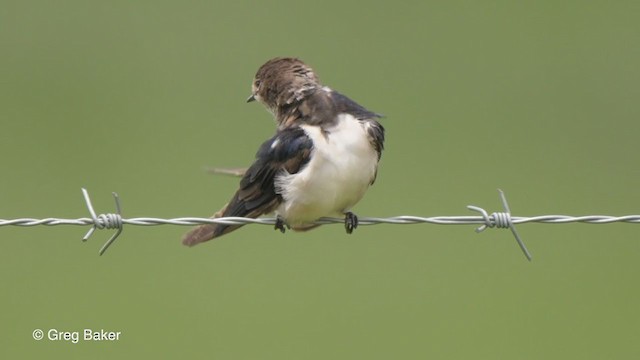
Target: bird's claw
(350,222)
(279,225)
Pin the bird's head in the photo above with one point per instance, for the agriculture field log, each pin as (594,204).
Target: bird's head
(281,82)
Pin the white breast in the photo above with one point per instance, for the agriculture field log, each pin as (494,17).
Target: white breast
(342,165)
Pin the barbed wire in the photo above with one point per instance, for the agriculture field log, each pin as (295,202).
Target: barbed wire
(501,220)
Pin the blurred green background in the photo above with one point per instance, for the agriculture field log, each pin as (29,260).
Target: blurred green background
(538,98)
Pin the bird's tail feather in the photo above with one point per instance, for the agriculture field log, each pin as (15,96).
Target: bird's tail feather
(238,206)
(208,232)
(200,233)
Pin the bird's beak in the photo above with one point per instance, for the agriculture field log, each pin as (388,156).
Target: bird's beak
(251,98)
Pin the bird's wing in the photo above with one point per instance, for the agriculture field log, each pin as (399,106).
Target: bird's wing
(289,150)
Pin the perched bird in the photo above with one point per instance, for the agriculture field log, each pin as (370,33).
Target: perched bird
(321,161)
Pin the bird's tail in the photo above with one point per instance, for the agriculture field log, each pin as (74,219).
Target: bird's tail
(200,233)
(208,232)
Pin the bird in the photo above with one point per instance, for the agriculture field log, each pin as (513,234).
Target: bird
(320,162)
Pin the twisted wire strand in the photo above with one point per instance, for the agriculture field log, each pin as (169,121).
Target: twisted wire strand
(394,220)
(501,220)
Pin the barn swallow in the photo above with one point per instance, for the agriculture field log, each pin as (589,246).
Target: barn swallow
(321,161)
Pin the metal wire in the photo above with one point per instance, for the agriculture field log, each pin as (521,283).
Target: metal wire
(501,220)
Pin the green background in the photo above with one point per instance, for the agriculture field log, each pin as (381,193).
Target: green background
(539,98)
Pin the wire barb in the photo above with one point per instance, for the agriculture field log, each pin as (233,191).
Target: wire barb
(104,221)
(501,220)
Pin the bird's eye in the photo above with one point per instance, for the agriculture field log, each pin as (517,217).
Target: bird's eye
(258,82)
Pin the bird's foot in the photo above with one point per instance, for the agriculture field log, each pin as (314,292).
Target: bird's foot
(350,222)
(279,224)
